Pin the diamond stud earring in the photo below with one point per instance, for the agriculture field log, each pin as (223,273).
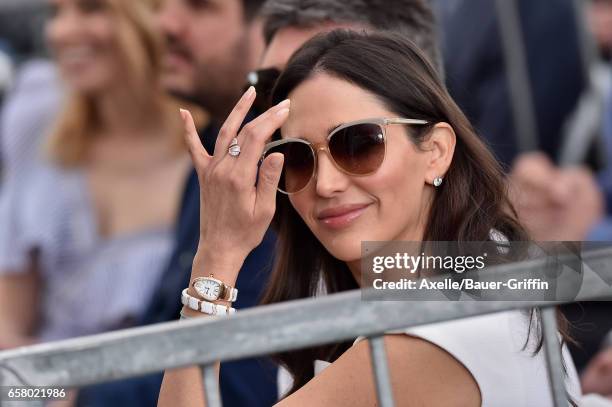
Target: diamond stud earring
(437,181)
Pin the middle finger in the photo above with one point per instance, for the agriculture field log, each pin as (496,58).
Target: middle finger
(255,135)
(229,130)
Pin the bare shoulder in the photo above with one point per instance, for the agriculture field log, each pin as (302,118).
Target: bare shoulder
(421,374)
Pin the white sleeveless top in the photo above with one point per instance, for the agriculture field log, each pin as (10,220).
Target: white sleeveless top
(491,349)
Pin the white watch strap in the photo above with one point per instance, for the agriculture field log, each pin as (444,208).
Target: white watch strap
(205,307)
(233,294)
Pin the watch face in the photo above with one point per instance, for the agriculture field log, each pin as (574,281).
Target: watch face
(208,289)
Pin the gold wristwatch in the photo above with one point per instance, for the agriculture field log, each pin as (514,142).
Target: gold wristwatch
(212,289)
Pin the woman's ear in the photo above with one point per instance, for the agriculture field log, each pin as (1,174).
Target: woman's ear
(441,147)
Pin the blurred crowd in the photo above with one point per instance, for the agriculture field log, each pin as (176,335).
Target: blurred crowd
(99,202)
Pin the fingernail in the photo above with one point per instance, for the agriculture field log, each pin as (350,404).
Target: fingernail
(250,91)
(282,112)
(285,102)
(276,162)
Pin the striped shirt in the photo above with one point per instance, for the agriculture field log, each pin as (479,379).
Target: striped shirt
(91,284)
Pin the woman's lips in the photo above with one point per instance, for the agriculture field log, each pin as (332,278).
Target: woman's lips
(342,216)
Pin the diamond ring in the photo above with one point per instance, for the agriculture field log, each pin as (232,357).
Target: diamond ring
(234,148)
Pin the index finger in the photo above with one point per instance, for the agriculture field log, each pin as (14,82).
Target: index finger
(233,122)
(199,156)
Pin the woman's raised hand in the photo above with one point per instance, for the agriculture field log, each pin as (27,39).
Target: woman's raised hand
(234,213)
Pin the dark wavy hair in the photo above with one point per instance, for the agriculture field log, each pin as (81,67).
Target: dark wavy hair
(471,203)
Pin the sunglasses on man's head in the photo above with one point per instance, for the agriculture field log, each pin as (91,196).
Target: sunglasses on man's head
(357,148)
(263,80)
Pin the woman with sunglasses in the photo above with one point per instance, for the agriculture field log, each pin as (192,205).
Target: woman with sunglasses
(371,148)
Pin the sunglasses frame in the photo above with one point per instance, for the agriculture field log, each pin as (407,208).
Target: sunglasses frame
(380,121)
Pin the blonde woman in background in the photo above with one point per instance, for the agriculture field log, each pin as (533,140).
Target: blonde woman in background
(85,244)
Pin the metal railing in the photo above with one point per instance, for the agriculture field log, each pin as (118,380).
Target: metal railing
(277,328)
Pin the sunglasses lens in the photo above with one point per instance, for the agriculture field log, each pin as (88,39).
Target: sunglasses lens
(298,166)
(358,149)
(263,80)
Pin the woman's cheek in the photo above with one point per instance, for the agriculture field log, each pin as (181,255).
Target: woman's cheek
(399,200)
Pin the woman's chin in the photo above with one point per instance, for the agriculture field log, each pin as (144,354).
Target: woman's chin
(347,252)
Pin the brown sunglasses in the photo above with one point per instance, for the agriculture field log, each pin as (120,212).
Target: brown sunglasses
(357,148)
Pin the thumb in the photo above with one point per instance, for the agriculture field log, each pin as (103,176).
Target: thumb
(269,176)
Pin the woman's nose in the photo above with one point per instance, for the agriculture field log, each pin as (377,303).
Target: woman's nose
(329,179)
(64,27)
